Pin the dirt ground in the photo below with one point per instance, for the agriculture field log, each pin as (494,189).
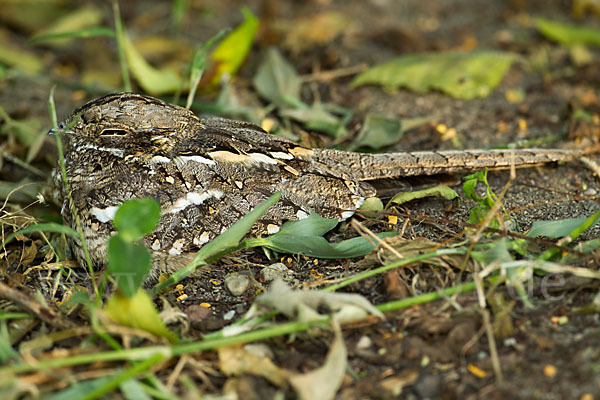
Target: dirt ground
(439,350)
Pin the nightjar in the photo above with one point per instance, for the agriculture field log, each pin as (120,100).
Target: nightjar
(208,173)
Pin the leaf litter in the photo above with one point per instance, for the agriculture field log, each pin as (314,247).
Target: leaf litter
(522,259)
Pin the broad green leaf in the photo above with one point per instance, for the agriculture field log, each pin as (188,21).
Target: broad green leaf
(438,191)
(371,204)
(232,51)
(317,119)
(555,229)
(497,253)
(7,353)
(78,390)
(317,246)
(138,312)
(306,237)
(79,297)
(46,227)
(128,264)
(461,75)
(588,246)
(379,131)
(485,203)
(152,80)
(577,230)
(132,389)
(568,34)
(136,218)
(77,23)
(276,79)
(313,225)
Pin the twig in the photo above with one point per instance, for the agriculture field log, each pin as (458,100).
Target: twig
(493,349)
(46,314)
(368,234)
(591,164)
(325,76)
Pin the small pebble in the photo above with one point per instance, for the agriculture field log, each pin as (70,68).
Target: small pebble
(237,284)
(428,386)
(260,350)
(274,271)
(590,192)
(196,312)
(364,343)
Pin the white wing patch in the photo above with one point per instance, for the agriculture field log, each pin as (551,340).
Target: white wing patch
(194,198)
(111,150)
(160,159)
(104,214)
(301,214)
(203,239)
(198,159)
(262,158)
(281,155)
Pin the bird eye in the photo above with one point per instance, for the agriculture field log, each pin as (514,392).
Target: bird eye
(113,132)
(61,125)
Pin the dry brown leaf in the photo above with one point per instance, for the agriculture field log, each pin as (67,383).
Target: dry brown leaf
(236,360)
(317,30)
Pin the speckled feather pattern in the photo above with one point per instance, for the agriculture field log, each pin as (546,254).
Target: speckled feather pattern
(208,173)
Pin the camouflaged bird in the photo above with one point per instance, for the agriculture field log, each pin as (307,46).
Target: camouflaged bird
(208,173)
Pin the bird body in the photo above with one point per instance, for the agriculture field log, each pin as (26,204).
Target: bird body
(208,173)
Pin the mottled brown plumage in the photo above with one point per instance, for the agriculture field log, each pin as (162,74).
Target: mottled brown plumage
(207,173)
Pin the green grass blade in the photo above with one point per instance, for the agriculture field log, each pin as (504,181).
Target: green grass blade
(45,227)
(121,47)
(80,33)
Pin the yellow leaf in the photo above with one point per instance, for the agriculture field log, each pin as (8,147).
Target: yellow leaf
(152,80)
(478,372)
(232,51)
(79,19)
(138,312)
(23,59)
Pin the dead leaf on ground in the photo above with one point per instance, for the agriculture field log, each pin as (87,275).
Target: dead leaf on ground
(304,305)
(408,249)
(304,33)
(236,360)
(463,75)
(324,382)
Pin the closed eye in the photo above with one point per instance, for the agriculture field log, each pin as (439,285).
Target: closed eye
(114,132)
